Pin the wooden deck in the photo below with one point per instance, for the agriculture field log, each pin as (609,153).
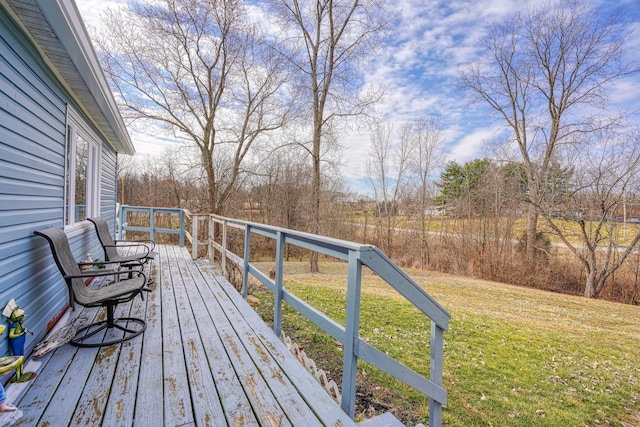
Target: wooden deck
(205,359)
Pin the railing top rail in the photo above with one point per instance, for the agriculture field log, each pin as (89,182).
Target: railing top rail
(370,256)
(149,209)
(406,286)
(269,229)
(188,213)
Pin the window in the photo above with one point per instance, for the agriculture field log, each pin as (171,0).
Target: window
(82,195)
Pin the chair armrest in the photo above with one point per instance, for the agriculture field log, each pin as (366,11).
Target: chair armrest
(83,263)
(109,266)
(148,243)
(130,245)
(97,273)
(125,245)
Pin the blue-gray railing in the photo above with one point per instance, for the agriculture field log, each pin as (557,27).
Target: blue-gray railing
(357,256)
(178,229)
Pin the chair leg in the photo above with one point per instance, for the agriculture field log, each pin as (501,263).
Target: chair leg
(121,323)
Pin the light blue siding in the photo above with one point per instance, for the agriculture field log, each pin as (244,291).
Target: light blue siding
(32,159)
(109,185)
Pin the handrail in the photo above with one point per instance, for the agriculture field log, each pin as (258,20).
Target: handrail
(355,347)
(123,226)
(356,255)
(193,236)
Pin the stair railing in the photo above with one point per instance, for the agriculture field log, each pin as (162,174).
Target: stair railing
(357,256)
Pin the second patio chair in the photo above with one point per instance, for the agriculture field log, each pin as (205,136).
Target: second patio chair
(140,251)
(106,296)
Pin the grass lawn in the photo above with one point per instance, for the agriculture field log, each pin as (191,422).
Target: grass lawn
(513,356)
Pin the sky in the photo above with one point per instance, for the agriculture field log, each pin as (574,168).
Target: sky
(420,67)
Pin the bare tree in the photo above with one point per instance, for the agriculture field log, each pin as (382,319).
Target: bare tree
(387,172)
(587,224)
(125,172)
(202,70)
(280,188)
(427,140)
(327,42)
(546,74)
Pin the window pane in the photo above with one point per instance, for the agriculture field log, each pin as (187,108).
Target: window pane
(69,195)
(82,176)
(82,149)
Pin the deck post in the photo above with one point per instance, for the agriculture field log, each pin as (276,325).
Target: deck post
(152,225)
(437,355)
(181,228)
(277,305)
(122,233)
(352,331)
(194,236)
(223,251)
(245,261)
(211,253)
(121,221)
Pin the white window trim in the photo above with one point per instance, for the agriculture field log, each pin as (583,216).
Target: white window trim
(77,126)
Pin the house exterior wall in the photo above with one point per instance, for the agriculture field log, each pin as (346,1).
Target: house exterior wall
(109,186)
(33,112)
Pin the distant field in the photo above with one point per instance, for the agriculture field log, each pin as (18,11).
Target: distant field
(441,224)
(513,356)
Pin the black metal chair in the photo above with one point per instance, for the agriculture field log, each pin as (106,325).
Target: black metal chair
(142,249)
(106,296)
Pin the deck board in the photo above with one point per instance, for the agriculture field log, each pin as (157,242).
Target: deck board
(120,406)
(149,394)
(205,359)
(177,401)
(207,406)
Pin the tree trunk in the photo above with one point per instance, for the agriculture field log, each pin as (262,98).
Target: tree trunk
(211,187)
(532,233)
(315,190)
(590,290)
(424,243)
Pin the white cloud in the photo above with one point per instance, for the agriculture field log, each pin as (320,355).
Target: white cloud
(432,41)
(470,144)
(91,10)
(150,141)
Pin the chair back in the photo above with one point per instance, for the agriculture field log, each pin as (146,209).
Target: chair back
(63,256)
(105,237)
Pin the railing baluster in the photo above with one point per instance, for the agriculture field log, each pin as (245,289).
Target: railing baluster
(245,271)
(211,252)
(120,222)
(152,224)
(277,306)
(437,356)
(182,228)
(224,248)
(194,236)
(352,330)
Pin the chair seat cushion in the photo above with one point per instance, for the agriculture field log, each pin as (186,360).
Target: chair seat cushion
(90,297)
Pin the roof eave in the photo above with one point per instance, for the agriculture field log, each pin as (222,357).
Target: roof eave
(85,80)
